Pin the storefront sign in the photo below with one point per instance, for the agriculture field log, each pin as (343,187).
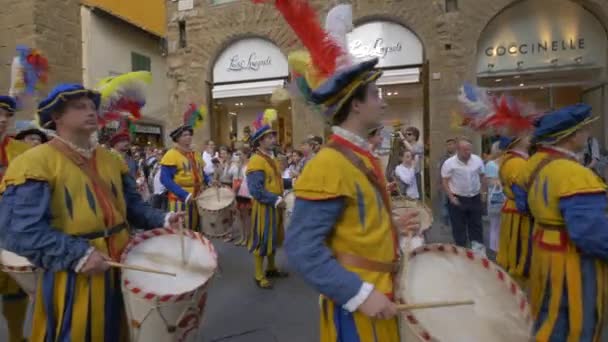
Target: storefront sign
(147,129)
(248,60)
(542,35)
(392,43)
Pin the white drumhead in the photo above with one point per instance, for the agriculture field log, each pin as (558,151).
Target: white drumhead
(13,260)
(290,201)
(424,214)
(214,199)
(447,273)
(163,252)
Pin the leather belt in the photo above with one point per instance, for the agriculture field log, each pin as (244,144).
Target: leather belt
(352,260)
(104,233)
(554,227)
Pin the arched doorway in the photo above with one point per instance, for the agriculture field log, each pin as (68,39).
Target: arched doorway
(403,84)
(244,76)
(548,52)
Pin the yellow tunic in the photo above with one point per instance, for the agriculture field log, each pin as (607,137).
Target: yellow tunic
(189,176)
(9,150)
(76,209)
(267,222)
(556,261)
(364,229)
(515,227)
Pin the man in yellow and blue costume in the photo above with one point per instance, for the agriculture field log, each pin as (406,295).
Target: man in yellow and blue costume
(181,172)
(570,238)
(515,226)
(14,300)
(65,207)
(265,184)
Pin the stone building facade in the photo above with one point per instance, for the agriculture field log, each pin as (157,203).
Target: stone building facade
(448,30)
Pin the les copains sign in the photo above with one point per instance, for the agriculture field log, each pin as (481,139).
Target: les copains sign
(250,59)
(541,35)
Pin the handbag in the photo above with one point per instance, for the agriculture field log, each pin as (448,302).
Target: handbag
(496,199)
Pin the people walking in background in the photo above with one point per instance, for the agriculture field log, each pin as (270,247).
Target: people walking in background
(495,196)
(375,137)
(238,170)
(159,191)
(208,155)
(310,147)
(411,143)
(464,183)
(406,176)
(450,150)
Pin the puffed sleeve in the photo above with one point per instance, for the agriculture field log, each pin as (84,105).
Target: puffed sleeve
(167,174)
(140,213)
(255,183)
(25,228)
(311,223)
(587,224)
(521,198)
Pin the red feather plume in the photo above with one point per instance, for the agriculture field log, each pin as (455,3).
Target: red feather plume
(303,20)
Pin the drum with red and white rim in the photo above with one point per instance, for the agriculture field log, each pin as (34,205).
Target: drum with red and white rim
(162,307)
(438,272)
(20,269)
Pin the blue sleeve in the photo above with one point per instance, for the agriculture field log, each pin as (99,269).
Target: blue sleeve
(167,173)
(521,198)
(139,213)
(587,224)
(255,183)
(25,228)
(311,223)
(206,179)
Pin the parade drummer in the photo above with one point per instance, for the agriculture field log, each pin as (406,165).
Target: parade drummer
(65,207)
(182,174)
(570,241)
(14,299)
(515,227)
(32,136)
(265,184)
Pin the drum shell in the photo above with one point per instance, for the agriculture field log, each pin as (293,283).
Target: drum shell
(290,199)
(217,223)
(25,275)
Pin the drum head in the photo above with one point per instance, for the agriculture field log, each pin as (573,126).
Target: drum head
(424,213)
(160,249)
(13,260)
(449,273)
(215,199)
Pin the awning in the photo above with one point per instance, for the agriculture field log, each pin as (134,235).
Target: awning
(246,89)
(399,76)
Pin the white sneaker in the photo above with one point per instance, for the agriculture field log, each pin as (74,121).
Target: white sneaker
(479,249)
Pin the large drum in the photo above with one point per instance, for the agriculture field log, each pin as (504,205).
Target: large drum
(20,269)
(290,202)
(216,208)
(449,273)
(425,216)
(161,307)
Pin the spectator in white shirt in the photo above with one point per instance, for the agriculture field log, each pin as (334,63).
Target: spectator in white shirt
(208,155)
(411,142)
(406,176)
(463,181)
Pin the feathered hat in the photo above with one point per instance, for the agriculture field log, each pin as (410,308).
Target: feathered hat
(61,94)
(29,71)
(9,104)
(263,124)
(561,123)
(324,75)
(123,96)
(503,115)
(194,116)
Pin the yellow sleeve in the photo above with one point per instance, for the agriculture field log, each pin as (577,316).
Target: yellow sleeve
(31,165)
(325,177)
(256,163)
(580,180)
(170,158)
(15,148)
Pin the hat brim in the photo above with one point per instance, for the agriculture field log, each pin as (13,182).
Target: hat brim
(556,137)
(258,135)
(46,110)
(349,91)
(21,135)
(176,133)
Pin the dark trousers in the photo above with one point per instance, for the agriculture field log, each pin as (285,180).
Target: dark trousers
(466,220)
(159,201)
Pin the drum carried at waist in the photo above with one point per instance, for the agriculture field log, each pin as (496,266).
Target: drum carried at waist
(438,273)
(215,205)
(425,216)
(161,307)
(20,269)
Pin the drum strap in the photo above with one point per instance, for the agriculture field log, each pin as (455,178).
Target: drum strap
(347,259)
(539,167)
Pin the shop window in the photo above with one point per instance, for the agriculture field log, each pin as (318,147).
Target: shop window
(451,6)
(140,62)
(182,34)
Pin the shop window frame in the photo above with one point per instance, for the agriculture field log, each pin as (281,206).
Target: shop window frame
(140,62)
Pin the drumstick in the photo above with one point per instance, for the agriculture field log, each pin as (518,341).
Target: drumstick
(181,240)
(428,305)
(139,268)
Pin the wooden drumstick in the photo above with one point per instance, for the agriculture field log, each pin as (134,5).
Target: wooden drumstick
(217,192)
(429,305)
(139,268)
(182,226)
